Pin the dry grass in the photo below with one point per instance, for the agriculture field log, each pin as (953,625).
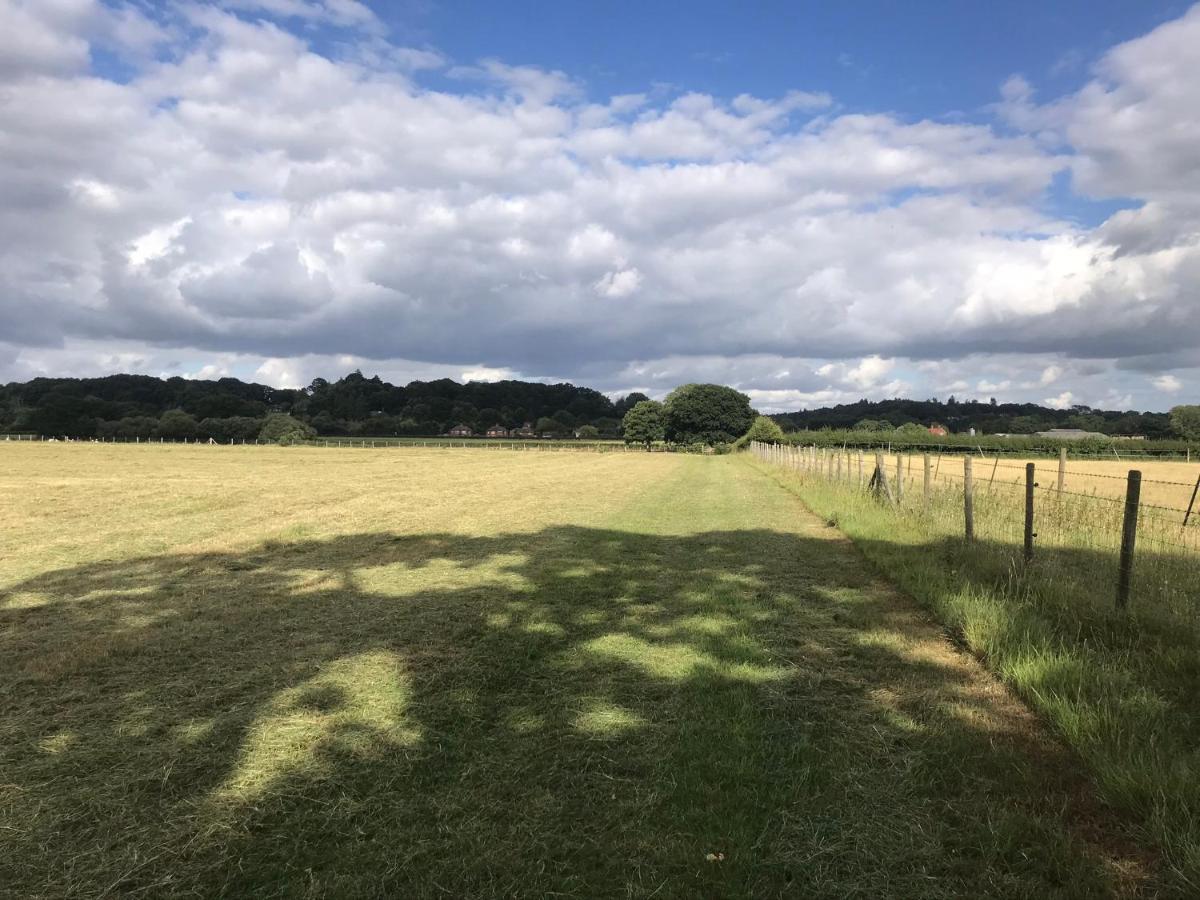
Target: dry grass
(299,672)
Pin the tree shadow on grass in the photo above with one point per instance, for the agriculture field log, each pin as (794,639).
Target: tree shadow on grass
(1122,683)
(576,711)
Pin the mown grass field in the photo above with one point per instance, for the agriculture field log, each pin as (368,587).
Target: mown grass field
(265,672)
(1120,686)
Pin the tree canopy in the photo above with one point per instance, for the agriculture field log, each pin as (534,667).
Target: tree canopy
(1185,420)
(644,423)
(764,430)
(280,428)
(706,414)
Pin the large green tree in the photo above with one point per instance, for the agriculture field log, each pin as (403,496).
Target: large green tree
(644,423)
(707,414)
(1185,421)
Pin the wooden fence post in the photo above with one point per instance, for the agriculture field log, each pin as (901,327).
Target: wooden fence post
(1133,496)
(968,499)
(1128,538)
(1029,535)
(879,480)
(1187,515)
(1062,470)
(925,485)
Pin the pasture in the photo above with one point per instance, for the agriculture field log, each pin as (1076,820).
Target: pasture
(250,671)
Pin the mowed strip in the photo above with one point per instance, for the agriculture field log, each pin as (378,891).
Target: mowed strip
(483,674)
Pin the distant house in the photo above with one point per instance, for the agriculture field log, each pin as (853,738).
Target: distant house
(1072,434)
(497,431)
(461,431)
(525,430)
(939,430)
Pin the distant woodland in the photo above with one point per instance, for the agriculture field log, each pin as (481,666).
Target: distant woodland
(129,406)
(139,406)
(986,418)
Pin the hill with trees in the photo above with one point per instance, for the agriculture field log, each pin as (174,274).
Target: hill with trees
(985,418)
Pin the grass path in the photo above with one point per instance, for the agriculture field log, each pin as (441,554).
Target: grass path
(493,674)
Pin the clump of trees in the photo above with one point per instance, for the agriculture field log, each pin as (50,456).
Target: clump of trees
(282,429)
(645,423)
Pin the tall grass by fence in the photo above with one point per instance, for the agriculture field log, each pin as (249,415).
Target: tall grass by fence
(1115,448)
(1053,510)
(1083,595)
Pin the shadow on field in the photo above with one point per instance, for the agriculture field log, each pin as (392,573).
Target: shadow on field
(581,711)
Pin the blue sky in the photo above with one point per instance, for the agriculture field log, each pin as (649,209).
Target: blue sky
(813,202)
(917,58)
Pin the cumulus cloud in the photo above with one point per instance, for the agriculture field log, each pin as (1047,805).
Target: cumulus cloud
(1168,384)
(240,193)
(1062,401)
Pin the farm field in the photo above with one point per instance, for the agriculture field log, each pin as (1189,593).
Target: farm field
(1165,483)
(243,671)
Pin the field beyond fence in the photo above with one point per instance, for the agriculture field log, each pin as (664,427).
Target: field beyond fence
(1075,580)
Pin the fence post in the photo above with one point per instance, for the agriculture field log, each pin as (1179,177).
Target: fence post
(860,468)
(1187,515)
(968,499)
(1062,470)
(899,477)
(925,485)
(879,481)
(1029,535)
(1133,496)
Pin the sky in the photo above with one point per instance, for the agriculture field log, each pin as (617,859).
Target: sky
(815,203)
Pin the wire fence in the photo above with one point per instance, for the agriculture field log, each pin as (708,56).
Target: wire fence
(1116,535)
(562,445)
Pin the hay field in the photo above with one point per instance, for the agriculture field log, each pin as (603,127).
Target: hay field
(266,672)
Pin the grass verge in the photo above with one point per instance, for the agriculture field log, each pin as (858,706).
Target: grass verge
(1119,687)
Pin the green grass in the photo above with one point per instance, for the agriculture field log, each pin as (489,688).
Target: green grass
(266,672)
(1119,687)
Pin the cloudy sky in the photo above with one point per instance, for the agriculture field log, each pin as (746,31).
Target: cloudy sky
(814,206)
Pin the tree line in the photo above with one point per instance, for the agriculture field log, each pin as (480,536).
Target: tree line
(144,407)
(985,417)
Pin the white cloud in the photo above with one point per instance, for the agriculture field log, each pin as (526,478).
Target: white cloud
(619,284)
(1049,375)
(278,373)
(1168,384)
(870,372)
(484,373)
(1062,401)
(242,194)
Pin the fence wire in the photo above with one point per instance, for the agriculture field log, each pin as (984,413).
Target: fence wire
(1077,525)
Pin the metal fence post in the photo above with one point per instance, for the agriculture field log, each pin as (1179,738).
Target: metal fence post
(1029,486)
